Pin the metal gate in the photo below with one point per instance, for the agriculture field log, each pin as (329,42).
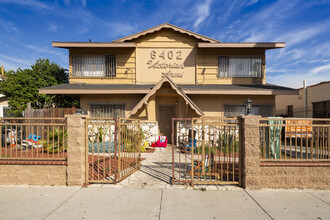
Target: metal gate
(113,147)
(205,151)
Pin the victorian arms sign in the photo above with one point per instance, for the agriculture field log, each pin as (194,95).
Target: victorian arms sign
(177,63)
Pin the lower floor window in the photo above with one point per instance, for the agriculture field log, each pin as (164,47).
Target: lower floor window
(232,110)
(107,110)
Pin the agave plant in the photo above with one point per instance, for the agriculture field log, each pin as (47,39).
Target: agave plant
(57,141)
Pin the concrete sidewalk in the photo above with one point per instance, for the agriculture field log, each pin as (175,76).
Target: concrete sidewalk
(127,203)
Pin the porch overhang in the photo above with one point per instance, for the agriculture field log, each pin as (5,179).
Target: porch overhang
(103,89)
(175,87)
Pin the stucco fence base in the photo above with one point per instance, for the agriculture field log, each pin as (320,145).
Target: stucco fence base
(304,177)
(52,175)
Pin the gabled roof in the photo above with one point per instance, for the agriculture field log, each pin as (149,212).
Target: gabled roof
(175,87)
(166,25)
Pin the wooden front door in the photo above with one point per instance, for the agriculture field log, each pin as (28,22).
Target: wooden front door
(165,115)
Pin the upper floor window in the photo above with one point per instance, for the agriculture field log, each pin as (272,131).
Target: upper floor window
(94,66)
(239,66)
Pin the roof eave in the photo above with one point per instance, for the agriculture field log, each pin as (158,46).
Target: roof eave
(166,25)
(261,45)
(68,45)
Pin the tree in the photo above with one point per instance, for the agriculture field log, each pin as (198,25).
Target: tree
(21,87)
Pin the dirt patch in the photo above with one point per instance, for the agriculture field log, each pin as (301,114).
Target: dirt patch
(30,153)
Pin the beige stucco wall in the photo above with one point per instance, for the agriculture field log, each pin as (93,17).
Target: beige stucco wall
(213,105)
(130,101)
(168,47)
(207,66)
(125,61)
(33,174)
(315,93)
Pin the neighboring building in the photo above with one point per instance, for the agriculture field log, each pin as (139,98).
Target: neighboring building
(316,104)
(4,108)
(168,72)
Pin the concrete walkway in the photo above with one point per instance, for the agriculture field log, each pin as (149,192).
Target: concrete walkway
(156,173)
(127,203)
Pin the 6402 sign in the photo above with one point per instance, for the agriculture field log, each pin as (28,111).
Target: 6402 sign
(170,54)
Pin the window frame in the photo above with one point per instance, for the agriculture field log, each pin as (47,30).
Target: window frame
(105,74)
(243,111)
(227,67)
(123,113)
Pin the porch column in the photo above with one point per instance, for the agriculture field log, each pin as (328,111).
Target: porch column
(151,108)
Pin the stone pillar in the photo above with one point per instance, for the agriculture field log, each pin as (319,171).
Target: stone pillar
(250,152)
(76,150)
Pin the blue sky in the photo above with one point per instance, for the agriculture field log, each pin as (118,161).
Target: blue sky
(29,26)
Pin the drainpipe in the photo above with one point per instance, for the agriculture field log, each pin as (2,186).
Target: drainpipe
(305,95)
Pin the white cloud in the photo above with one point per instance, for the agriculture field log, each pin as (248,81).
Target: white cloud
(297,36)
(203,11)
(14,62)
(53,27)
(293,77)
(34,4)
(67,2)
(118,29)
(8,26)
(251,2)
(84,2)
(320,69)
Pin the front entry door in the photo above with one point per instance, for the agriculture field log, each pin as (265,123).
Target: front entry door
(165,115)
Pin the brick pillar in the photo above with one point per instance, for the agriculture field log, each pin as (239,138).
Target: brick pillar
(250,152)
(76,150)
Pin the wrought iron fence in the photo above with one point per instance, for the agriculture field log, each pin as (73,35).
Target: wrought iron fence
(290,139)
(114,146)
(205,151)
(33,138)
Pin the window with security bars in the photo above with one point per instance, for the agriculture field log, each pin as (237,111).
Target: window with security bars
(239,66)
(107,110)
(233,110)
(94,66)
(321,109)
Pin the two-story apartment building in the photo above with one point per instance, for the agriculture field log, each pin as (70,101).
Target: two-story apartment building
(168,72)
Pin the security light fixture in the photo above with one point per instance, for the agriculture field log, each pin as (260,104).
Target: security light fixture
(248,106)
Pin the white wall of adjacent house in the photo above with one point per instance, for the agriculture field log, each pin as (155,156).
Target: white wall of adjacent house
(3,105)
(315,94)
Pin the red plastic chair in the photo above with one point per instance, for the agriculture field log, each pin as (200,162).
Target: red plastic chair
(162,141)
